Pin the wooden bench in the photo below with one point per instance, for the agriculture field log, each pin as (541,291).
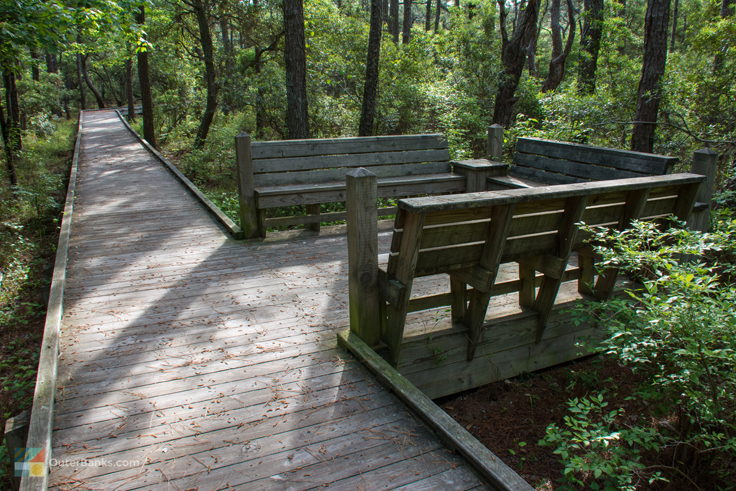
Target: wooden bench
(540,162)
(468,237)
(276,174)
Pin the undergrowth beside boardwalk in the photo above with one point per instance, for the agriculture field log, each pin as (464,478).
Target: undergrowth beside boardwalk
(30,215)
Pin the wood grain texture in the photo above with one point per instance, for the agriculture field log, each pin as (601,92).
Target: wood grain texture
(190,360)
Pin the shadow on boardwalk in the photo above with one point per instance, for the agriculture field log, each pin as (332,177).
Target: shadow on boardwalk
(193,361)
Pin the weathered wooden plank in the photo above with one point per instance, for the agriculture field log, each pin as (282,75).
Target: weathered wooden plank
(338,174)
(226,222)
(42,412)
(330,160)
(369,144)
(540,175)
(387,188)
(581,171)
(401,268)
(490,467)
(645,163)
(494,198)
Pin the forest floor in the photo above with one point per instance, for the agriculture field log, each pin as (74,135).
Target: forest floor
(510,416)
(30,215)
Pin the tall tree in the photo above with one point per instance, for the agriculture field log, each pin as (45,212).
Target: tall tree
(559,55)
(652,71)
(144,80)
(85,75)
(675,17)
(297,122)
(590,44)
(202,13)
(80,83)
(393,20)
(513,57)
(408,21)
(428,16)
(727,10)
(437,12)
(368,111)
(10,125)
(128,82)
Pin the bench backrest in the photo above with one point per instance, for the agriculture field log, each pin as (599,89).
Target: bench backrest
(557,162)
(453,231)
(285,162)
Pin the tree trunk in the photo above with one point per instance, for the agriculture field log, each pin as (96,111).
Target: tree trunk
(428,17)
(88,81)
(205,40)
(35,60)
(559,55)
(675,16)
(80,84)
(653,66)
(11,126)
(368,111)
(226,76)
(297,122)
(144,81)
(260,110)
(52,63)
(408,21)
(393,22)
(726,11)
(129,97)
(513,58)
(590,43)
(438,11)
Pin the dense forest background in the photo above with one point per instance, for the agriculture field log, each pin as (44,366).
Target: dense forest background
(652,75)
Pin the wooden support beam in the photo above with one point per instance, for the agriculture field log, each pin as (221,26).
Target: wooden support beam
(705,162)
(495,142)
(477,172)
(402,270)
(313,211)
(362,231)
(459,299)
(498,231)
(556,263)
(250,217)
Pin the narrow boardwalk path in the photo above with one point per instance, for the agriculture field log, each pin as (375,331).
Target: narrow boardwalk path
(192,361)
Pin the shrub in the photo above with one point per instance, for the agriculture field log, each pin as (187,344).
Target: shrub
(678,331)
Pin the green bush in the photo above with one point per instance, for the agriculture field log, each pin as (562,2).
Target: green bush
(678,332)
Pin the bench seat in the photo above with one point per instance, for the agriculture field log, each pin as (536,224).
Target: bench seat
(311,172)
(468,238)
(275,196)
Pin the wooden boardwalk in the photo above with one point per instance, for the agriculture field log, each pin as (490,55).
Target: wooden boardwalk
(192,361)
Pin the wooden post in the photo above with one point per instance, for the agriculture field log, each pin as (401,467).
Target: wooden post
(313,210)
(495,142)
(705,163)
(16,433)
(364,297)
(249,217)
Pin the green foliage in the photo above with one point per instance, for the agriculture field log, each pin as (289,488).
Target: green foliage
(596,454)
(678,333)
(18,373)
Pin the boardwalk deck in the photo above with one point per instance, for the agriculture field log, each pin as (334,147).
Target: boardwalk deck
(192,361)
